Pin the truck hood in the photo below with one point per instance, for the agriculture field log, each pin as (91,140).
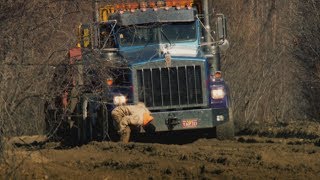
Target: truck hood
(151,52)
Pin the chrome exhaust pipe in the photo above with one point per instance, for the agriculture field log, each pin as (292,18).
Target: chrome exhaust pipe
(212,50)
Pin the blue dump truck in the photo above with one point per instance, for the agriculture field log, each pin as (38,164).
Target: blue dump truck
(161,53)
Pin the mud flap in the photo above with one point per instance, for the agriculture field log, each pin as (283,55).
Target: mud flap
(226,131)
(102,122)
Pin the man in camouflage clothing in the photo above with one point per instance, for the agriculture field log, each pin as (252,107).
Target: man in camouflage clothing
(130,115)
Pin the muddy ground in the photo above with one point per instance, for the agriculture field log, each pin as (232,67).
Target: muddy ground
(171,157)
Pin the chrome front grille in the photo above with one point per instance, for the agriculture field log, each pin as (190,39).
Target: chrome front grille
(173,87)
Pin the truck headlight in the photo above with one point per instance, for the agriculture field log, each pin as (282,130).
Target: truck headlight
(119,100)
(217,92)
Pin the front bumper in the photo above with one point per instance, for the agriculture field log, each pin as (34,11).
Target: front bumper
(189,119)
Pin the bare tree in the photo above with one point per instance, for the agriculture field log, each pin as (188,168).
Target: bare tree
(306,50)
(267,81)
(35,39)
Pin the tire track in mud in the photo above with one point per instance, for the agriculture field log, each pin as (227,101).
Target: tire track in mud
(245,157)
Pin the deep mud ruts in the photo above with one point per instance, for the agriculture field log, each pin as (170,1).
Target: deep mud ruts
(245,157)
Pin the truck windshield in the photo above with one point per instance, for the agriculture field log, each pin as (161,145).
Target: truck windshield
(178,32)
(137,35)
(149,34)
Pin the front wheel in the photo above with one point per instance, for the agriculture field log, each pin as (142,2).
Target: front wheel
(226,131)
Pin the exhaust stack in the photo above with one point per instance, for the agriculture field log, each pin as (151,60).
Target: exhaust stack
(95,15)
(212,49)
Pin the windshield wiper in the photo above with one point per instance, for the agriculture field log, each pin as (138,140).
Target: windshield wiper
(148,42)
(164,34)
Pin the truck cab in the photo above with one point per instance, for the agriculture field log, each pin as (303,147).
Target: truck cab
(170,68)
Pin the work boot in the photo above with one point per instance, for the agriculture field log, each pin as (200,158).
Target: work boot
(125,135)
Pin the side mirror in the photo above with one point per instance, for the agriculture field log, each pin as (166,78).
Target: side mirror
(221,25)
(84,36)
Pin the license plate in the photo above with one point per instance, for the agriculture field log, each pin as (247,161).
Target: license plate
(189,123)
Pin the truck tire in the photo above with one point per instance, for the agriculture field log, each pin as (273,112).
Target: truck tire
(102,123)
(75,132)
(226,131)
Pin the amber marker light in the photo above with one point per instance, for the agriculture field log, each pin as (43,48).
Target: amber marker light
(218,75)
(143,6)
(109,81)
(133,6)
(127,6)
(169,3)
(189,4)
(179,4)
(152,4)
(160,4)
(120,7)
